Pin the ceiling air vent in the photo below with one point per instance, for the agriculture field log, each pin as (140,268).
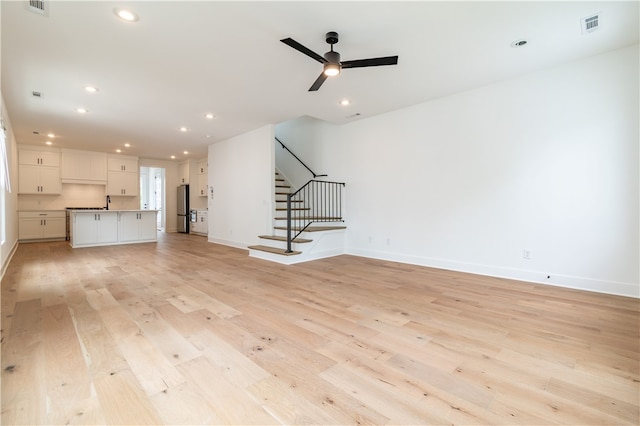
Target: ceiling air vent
(38,6)
(590,23)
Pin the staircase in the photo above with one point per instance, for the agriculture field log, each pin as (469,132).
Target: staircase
(314,223)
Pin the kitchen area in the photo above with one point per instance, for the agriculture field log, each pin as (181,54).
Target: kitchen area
(93,198)
(191,197)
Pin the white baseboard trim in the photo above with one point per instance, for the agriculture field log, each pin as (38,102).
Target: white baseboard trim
(229,243)
(559,280)
(7,261)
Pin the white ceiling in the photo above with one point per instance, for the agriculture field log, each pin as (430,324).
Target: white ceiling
(184,59)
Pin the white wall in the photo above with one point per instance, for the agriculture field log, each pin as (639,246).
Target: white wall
(303,136)
(546,163)
(241,174)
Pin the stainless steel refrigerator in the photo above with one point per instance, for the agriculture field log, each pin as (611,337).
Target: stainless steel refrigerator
(183,208)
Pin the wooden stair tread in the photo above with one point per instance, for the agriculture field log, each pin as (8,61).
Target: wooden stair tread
(283,186)
(280,209)
(280,238)
(312,228)
(274,250)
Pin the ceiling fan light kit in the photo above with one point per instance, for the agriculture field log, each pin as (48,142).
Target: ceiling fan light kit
(331,64)
(331,69)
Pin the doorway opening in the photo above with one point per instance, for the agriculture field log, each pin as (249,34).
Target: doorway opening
(152,192)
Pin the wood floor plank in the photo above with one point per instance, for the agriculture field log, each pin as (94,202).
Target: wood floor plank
(66,374)
(185,405)
(124,402)
(153,370)
(232,404)
(23,380)
(173,345)
(287,405)
(183,331)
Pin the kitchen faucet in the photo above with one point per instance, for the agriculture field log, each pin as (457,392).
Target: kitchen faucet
(108,201)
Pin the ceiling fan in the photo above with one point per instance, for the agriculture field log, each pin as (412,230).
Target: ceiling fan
(331,60)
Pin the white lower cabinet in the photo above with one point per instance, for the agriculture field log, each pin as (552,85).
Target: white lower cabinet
(94,229)
(41,225)
(109,227)
(138,226)
(201,225)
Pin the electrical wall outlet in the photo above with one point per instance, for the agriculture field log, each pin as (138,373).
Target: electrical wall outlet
(526,254)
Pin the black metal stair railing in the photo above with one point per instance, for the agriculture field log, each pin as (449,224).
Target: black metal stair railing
(316,201)
(299,160)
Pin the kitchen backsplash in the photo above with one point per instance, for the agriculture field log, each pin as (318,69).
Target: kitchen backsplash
(76,195)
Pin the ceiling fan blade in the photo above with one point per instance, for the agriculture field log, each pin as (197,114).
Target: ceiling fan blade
(372,62)
(300,48)
(316,84)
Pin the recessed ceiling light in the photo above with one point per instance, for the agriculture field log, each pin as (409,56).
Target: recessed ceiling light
(126,15)
(51,135)
(186,152)
(91,89)
(173,157)
(127,145)
(183,129)
(209,116)
(118,150)
(49,143)
(519,43)
(81,111)
(345,102)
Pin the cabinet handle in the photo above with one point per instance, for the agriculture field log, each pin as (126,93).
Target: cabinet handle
(45,222)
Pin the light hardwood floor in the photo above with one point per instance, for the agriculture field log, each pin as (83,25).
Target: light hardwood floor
(187,332)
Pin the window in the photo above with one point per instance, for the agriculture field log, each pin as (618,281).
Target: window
(5,182)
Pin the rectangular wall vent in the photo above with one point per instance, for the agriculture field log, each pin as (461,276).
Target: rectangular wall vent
(590,23)
(38,6)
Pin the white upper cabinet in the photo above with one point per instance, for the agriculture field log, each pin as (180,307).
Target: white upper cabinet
(38,171)
(84,167)
(183,172)
(123,176)
(203,167)
(123,164)
(35,156)
(203,178)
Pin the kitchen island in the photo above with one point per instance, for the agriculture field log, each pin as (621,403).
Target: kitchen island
(89,228)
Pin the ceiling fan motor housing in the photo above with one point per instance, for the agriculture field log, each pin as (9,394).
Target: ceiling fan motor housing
(332,37)
(332,57)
